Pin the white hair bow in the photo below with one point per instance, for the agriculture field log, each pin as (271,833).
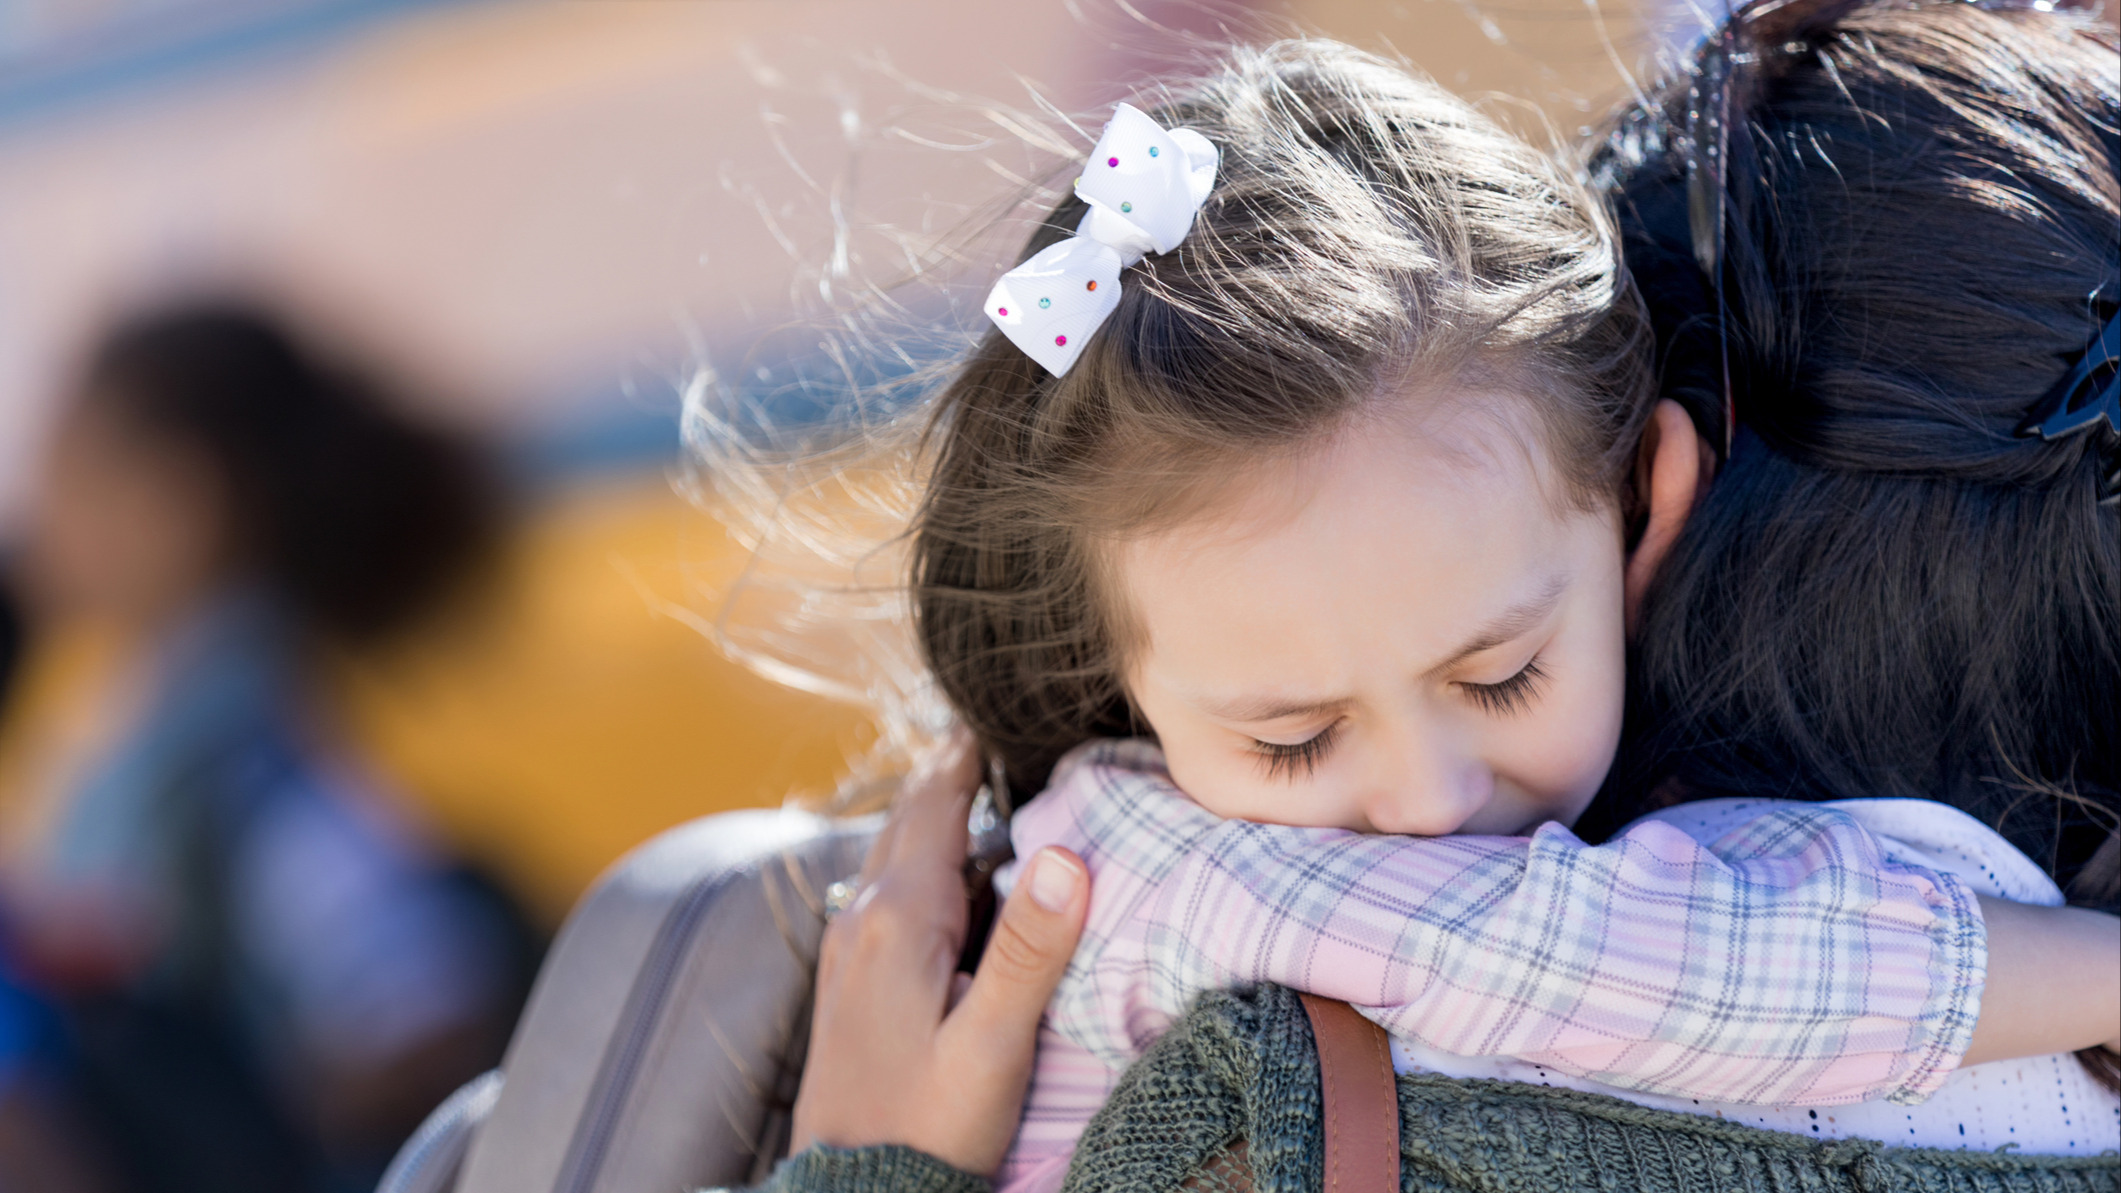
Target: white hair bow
(1144,185)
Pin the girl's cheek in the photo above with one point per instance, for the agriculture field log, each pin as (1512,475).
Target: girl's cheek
(1572,747)
(1569,750)
(1217,776)
(1240,791)
(1232,783)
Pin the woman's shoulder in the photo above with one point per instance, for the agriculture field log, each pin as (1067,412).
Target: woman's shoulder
(1927,833)
(1920,832)
(1246,1058)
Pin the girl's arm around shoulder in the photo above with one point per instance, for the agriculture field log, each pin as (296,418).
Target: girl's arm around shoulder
(2054,972)
(1789,962)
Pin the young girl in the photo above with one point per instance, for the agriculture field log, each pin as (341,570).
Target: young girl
(1334,488)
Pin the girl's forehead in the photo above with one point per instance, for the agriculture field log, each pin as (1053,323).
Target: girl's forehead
(1397,455)
(1404,525)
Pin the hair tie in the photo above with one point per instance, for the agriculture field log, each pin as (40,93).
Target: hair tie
(1144,185)
(2080,402)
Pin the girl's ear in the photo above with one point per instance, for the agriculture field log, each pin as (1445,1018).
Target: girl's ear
(1672,474)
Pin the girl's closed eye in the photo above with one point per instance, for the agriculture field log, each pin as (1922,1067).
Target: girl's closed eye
(1507,698)
(1289,760)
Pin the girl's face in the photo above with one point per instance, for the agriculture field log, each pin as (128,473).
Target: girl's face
(1404,632)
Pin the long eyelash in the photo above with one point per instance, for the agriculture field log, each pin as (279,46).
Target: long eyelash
(1283,761)
(1512,695)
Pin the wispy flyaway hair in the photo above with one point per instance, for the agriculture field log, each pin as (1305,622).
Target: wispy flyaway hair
(1370,238)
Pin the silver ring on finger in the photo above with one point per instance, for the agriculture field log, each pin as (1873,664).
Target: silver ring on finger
(841,895)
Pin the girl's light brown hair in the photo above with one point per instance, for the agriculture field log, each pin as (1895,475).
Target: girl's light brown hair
(1370,236)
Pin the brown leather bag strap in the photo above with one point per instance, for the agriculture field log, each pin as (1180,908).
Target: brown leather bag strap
(1361,1099)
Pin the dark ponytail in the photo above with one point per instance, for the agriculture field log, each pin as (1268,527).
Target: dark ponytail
(357,515)
(1888,591)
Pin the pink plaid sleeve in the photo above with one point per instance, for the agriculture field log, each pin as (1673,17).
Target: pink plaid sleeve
(1787,962)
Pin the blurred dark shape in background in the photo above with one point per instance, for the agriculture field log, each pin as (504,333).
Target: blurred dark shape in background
(302,474)
(263,971)
(11,632)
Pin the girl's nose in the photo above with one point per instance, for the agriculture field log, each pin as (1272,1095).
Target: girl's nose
(1424,787)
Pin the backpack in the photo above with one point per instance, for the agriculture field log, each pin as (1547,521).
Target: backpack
(662,1042)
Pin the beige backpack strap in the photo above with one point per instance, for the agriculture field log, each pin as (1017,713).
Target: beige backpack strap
(1361,1099)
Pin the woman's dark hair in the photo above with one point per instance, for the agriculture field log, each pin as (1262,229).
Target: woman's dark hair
(1887,591)
(357,515)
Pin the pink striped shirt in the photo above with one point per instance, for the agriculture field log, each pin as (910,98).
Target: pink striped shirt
(1786,962)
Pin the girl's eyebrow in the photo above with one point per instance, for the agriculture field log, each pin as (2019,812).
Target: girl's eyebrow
(1514,622)
(1246,709)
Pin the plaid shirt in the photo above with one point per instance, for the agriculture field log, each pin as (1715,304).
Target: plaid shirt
(1786,962)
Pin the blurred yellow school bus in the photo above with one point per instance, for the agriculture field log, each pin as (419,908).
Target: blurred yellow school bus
(586,715)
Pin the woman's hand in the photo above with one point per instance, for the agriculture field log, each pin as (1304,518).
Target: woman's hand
(902,1049)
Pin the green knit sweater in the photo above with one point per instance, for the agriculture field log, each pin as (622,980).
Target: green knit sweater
(1242,1068)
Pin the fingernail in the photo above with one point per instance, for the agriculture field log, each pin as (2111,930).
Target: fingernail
(1054,880)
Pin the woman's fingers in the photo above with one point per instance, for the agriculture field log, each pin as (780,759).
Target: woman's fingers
(880,1070)
(985,1048)
(933,805)
(879,853)
(1033,939)
(907,923)
(903,1051)
(943,778)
